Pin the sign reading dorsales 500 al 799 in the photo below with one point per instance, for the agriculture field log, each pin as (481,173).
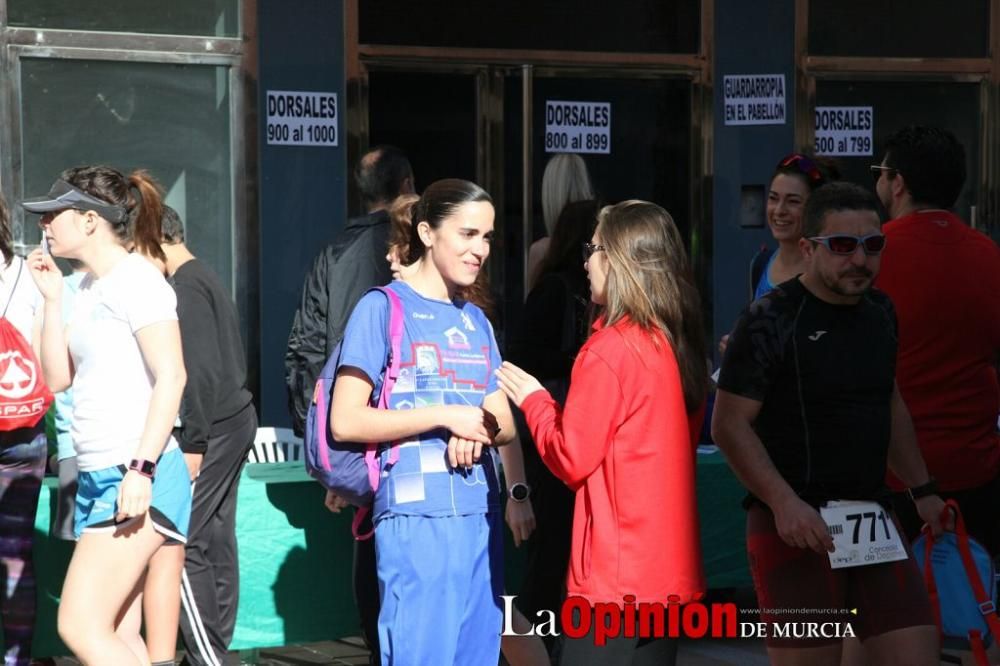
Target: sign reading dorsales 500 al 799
(301,118)
(754,99)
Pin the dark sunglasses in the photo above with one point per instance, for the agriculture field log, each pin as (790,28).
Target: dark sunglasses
(873,244)
(877,170)
(591,248)
(804,165)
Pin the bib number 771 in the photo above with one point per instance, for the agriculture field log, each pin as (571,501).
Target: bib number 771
(863,534)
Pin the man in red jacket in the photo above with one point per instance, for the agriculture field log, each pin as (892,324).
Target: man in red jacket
(944,279)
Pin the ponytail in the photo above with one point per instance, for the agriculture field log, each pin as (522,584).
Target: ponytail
(146,214)
(401,224)
(6,237)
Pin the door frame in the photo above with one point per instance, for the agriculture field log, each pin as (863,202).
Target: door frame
(491,66)
(985,71)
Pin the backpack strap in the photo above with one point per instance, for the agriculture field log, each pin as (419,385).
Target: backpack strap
(985,600)
(757,267)
(20,267)
(929,581)
(395,330)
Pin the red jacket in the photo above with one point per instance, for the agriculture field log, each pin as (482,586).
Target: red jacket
(944,280)
(623,445)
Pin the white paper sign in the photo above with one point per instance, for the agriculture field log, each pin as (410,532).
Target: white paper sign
(577,127)
(301,118)
(754,99)
(863,533)
(844,130)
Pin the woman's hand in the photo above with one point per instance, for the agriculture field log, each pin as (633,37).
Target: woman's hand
(134,495)
(520,518)
(47,276)
(334,502)
(516,383)
(471,423)
(463,452)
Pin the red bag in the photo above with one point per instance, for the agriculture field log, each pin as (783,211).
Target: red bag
(24,396)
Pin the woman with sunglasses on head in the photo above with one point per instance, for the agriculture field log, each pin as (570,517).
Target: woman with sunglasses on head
(122,355)
(622,442)
(795,177)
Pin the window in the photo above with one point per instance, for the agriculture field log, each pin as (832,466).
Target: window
(173,120)
(899,28)
(629,26)
(215,18)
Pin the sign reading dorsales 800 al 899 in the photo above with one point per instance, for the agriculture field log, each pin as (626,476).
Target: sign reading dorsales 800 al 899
(301,118)
(577,127)
(754,99)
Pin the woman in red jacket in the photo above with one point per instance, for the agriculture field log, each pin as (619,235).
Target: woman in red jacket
(622,442)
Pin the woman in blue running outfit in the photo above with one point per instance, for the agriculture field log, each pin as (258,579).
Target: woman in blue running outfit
(122,354)
(438,522)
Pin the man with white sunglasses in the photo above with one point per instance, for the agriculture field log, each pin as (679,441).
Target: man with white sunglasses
(809,417)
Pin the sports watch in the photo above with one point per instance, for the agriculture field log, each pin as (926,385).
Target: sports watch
(924,490)
(519,492)
(145,467)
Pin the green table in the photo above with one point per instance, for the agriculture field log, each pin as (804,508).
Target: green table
(295,556)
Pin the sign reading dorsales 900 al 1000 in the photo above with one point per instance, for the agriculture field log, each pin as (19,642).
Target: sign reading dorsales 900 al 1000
(301,118)
(577,127)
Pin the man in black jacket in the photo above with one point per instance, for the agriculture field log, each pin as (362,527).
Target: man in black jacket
(217,426)
(353,263)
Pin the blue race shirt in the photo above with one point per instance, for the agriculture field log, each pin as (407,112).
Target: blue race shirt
(448,355)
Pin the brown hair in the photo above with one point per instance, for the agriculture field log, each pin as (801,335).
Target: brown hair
(138,194)
(650,282)
(400,237)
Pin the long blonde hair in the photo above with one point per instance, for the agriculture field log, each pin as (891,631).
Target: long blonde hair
(565,180)
(650,282)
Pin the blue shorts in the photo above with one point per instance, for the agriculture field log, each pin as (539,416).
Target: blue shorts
(170,509)
(440,581)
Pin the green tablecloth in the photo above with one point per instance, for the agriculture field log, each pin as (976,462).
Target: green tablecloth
(295,556)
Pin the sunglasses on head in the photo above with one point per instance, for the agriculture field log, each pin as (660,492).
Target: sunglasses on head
(804,165)
(873,244)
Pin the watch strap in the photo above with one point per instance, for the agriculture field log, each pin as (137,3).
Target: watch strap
(145,467)
(923,490)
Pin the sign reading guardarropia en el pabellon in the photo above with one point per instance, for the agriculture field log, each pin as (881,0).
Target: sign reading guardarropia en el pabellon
(754,99)
(296,118)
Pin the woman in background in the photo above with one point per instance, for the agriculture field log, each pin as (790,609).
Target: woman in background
(122,355)
(565,180)
(23,454)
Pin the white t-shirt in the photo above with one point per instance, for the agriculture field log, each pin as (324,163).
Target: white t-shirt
(26,298)
(112,386)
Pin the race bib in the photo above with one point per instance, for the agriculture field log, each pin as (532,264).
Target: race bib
(863,533)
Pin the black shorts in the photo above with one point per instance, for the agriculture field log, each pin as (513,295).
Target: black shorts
(798,585)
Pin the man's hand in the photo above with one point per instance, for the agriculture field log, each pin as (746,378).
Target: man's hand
(932,511)
(521,519)
(193,462)
(334,502)
(800,525)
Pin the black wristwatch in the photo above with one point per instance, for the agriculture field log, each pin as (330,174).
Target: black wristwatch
(519,492)
(145,467)
(923,490)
